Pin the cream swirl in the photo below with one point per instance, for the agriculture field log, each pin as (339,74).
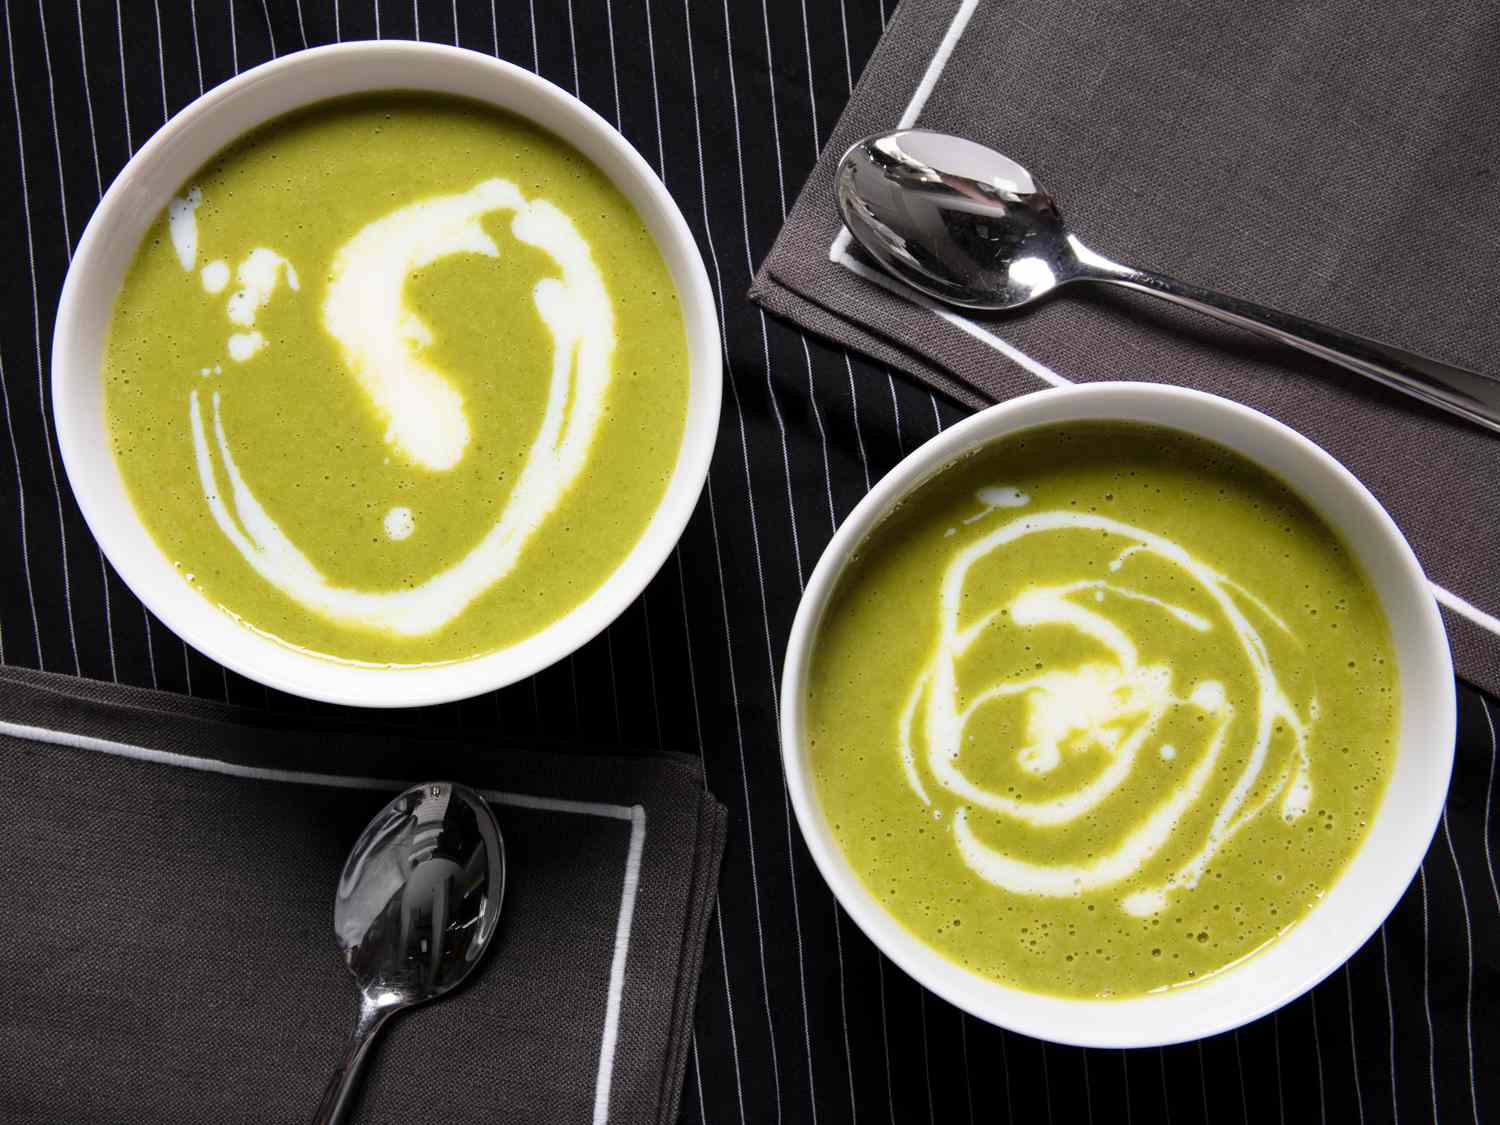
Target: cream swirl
(1115,703)
(382,343)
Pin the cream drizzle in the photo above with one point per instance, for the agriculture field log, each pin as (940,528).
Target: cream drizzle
(578,314)
(1115,705)
(182,225)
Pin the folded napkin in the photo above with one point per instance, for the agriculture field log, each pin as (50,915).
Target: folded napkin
(168,882)
(1337,160)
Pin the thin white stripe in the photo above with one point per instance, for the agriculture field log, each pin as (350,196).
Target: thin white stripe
(1280,1082)
(36,333)
(698,1072)
(1088,1086)
(614,682)
(1046,1083)
(896,413)
(1166,1098)
(1390,1015)
(234,38)
(812,95)
(885,1035)
(614,73)
(848,64)
(124,91)
(338,30)
(151,648)
(416,21)
(198,51)
(536,57)
(628,893)
(62,194)
(859,437)
(939,62)
(734,1041)
(687,640)
(1312,1006)
(88,100)
(1489,795)
(926,1054)
(455,23)
(301,27)
(573,47)
(1203,1081)
(270,31)
(1463,898)
(294,777)
(651,663)
(1359,1097)
(161,63)
(661,152)
(375,5)
(833,518)
(1427,994)
(1010,1114)
(838,945)
(494,30)
(1467,609)
(36,629)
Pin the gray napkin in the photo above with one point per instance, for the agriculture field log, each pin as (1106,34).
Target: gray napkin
(1338,160)
(168,876)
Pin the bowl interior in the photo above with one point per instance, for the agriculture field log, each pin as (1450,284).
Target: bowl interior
(1404,821)
(138,196)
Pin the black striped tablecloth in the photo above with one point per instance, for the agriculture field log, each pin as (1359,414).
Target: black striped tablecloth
(799,1018)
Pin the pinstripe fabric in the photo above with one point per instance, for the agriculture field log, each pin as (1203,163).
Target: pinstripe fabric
(799,1018)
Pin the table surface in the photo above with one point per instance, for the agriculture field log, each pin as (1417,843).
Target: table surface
(799,1018)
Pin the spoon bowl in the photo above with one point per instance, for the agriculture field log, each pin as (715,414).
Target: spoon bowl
(417,904)
(971,227)
(955,219)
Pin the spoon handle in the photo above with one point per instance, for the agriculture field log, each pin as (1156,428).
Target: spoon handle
(1466,393)
(339,1093)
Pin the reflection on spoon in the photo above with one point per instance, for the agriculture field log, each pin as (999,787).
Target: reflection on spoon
(418,902)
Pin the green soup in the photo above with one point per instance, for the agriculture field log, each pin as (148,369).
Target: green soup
(1101,709)
(397,379)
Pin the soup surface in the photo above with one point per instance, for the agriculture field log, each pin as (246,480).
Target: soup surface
(397,379)
(1101,710)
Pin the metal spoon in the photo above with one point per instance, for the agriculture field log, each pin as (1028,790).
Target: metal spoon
(417,904)
(968,226)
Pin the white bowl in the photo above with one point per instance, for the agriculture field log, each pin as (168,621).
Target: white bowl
(139,195)
(1403,824)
